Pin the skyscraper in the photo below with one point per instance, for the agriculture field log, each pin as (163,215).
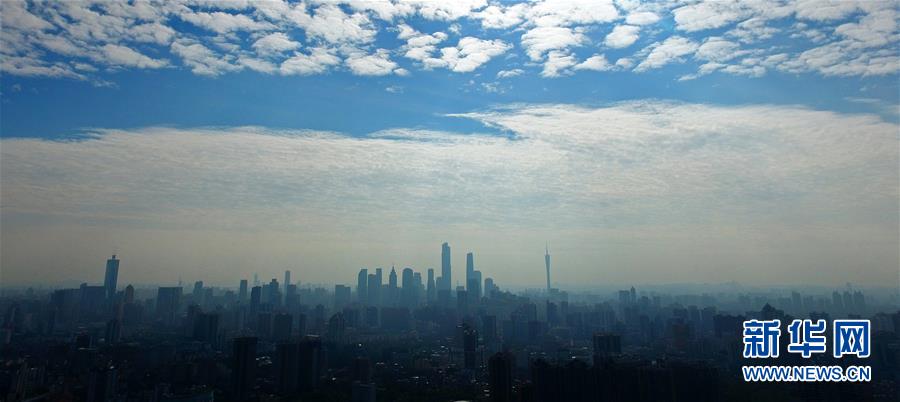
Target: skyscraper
(287,277)
(167,302)
(393,293)
(470,267)
(242,293)
(362,295)
(255,298)
(547,263)
(112,276)
(408,292)
(197,294)
(374,286)
(446,282)
(430,290)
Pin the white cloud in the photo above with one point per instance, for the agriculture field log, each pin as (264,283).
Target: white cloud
(274,44)
(201,59)
(596,62)
(378,63)
(213,38)
(446,10)
(571,12)
(540,40)
(318,61)
(509,73)
(668,51)
(502,16)
(718,49)
(642,18)
(558,63)
(222,22)
(419,46)
(124,56)
(469,54)
(622,36)
(825,10)
(624,63)
(753,30)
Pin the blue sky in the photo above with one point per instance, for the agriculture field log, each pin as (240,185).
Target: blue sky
(729,137)
(50,93)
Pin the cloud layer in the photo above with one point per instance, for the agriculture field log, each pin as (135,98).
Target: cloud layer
(83,40)
(697,185)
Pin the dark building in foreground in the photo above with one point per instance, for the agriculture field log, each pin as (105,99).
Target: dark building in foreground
(500,368)
(243,367)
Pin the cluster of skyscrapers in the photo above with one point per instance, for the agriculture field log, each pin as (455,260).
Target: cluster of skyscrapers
(412,290)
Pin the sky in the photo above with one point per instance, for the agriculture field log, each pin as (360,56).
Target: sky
(648,143)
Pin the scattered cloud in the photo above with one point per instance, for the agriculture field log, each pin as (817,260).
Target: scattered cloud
(668,51)
(510,73)
(828,38)
(622,36)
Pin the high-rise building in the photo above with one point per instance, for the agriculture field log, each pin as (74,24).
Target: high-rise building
(500,372)
(409,289)
(362,388)
(606,344)
(489,286)
(476,291)
(243,374)
(197,294)
(446,282)
(309,356)
(547,264)
(242,292)
(362,294)
(282,324)
(167,303)
(287,277)
(129,294)
(206,327)
(274,292)
(374,285)
(341,296)
(112,276)
(255,298)
(470,346)
(286,367)
(419,288)
(470,267)
(431,290)
(489,328)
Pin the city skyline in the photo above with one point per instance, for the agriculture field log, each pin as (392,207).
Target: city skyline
(651,143)
(355,200)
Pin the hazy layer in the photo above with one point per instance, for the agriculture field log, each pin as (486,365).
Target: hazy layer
(641,192)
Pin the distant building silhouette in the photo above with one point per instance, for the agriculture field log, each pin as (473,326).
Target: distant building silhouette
(446,281)
(168,300)
(112,276)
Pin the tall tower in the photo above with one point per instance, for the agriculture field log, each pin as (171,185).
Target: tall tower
(287,278)
(446,282)
(470,269)
(547,264)
(112,276)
